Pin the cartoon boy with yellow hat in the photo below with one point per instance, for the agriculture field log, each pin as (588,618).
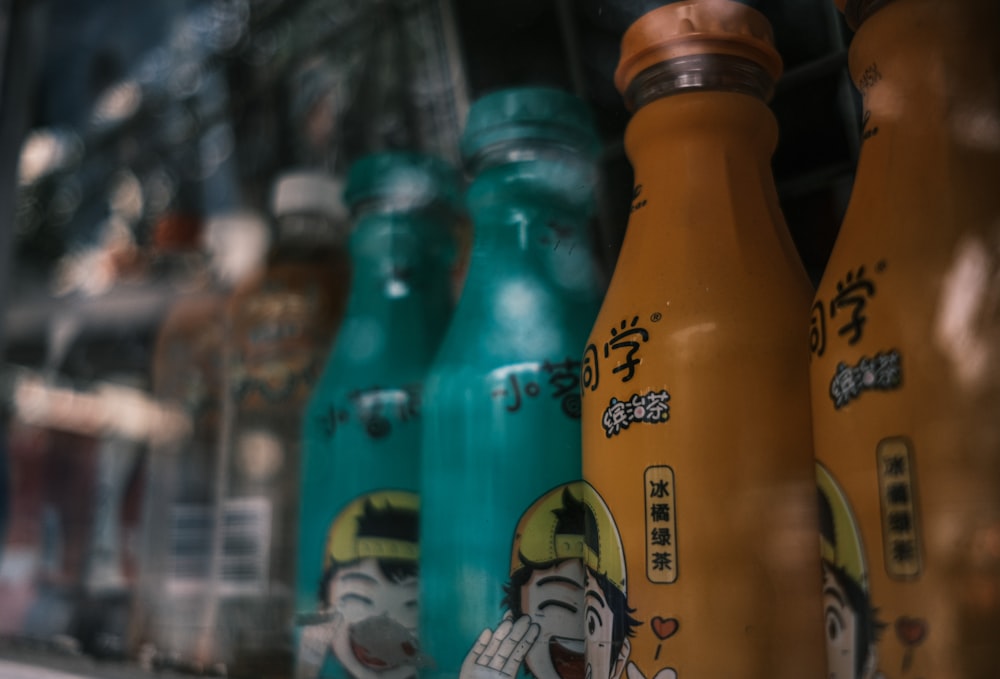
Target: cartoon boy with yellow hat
(568,615)
(544,596)
(608,620)
(852,628)
(368,593)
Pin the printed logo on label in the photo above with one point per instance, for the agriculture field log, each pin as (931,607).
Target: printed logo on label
(869,78)
(279,350)
(897,488)
(564,381)
(882,372)
(661,525)
(625,341)
(651,408)
(375,408)
(853,293)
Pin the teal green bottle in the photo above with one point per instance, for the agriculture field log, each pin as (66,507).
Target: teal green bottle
(356,586)
(501,516)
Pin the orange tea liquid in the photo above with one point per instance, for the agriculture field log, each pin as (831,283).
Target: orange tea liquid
(696,423)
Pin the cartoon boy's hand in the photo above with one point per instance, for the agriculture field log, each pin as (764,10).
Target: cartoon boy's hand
(498,654)
(313,646)
(635,673)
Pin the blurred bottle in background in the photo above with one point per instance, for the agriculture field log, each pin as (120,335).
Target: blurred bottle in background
(356,584)
(502,404)
(180,472)
(279,325)
(171,98)
(696,433)
(905,330)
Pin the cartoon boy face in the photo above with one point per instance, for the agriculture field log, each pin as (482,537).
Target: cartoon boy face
(608,622)
(851,626)
(369,588)
(379,618)
(553,597)
(605,658)
(841,629)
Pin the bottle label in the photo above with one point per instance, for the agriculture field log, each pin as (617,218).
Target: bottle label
(508,597)
(661,525)
(190,547)
(609,623)
(245,538)
(619,358)
(365,620)
(377,409)
(851,615)
(281,345)
(897,492)
(621,354)
(847,601)
(541,630)
(650,408)
(881,372)
(875,587)
(562,384)
(846,312)
(659,433)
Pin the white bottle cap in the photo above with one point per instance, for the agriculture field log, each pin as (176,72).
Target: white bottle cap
(308,191)
(237,243)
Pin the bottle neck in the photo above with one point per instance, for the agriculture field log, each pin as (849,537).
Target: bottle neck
(681,137)
(701,123)
(699,72)
(704,191)
(400,297)
(529,191)
(927,67)
(530,218)
(398,257)
(929,75)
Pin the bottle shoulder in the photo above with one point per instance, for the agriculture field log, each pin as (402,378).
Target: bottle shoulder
(696,319)
(513,317)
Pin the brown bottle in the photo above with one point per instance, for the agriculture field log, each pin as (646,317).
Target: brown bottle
(279,326)
(906,353)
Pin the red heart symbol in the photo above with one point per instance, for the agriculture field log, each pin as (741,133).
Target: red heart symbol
(664,628)
(911,631)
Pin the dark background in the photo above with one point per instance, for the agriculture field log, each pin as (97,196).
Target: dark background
(239,76)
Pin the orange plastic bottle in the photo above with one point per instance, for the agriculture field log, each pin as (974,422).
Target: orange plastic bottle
(906,353)
(702,561)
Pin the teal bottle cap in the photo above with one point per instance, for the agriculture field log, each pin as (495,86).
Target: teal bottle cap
(404,179)
(532,114)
